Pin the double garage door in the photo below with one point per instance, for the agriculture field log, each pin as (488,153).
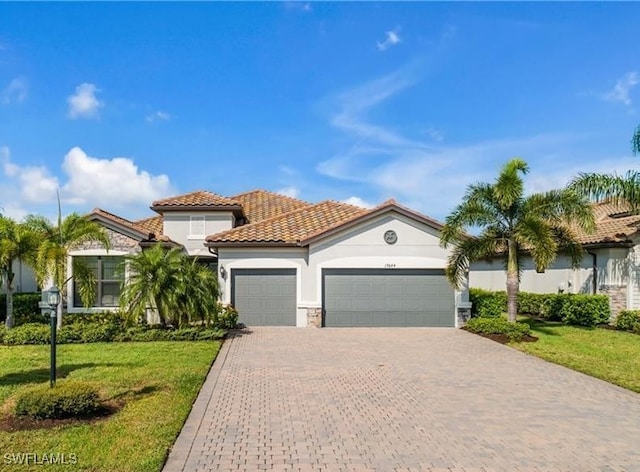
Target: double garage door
(350,297)
(392,297)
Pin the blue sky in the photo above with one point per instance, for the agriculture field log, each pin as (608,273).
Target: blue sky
(117,104)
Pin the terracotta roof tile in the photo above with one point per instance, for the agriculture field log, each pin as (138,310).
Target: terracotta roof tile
(152,224)
(198,199)
(118,219)
(291,227)
(613,224)
(260,205)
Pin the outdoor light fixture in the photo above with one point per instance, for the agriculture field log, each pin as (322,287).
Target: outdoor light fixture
(53,299)
(223,272)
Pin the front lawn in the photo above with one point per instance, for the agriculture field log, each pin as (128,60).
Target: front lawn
(156,384)
(609,355)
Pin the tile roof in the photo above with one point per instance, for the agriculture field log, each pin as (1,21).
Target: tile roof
(118,220)
(260,205)
(200,199)
(614,224)
(153,224)
(291,227)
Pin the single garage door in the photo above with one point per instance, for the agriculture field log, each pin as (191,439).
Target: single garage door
(387,297)
(264,297)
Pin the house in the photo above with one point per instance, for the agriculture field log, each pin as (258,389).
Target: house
(284,261)
(611,264)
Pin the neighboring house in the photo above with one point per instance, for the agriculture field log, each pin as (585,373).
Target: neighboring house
(611,264)
(283,261)
(24,278)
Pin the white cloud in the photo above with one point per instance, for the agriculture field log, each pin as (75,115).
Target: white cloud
(298,6)
(357,201)
(113,182)
(84,103)
(36,184)
(391,39)
(158,116)
(620,91)
(434,134)
(292,192)
(89,182)
(16,91)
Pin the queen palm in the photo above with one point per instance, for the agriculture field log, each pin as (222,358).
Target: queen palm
(18,242)
(56,241)
(178,288)
(618,189)
(512,224)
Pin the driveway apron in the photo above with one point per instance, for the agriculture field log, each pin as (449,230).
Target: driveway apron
(401,399)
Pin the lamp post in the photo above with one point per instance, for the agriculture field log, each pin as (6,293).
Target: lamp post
(53,299)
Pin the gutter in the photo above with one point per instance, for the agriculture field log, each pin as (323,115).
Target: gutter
(594,281)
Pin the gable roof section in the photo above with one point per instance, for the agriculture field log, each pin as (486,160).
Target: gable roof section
(129,227)
(289,228)
(389,205)
(198,200)
(261,205)
(614,226)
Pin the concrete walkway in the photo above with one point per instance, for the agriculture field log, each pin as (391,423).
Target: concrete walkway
(401,399)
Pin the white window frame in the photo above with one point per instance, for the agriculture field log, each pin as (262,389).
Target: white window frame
(198,220)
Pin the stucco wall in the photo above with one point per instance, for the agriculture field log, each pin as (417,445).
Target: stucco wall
(361,246)
(24,279)
(176,227)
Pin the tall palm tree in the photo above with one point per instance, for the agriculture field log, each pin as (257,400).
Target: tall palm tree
(617,189)
(18,242)
(511,224)
(56,241)
(177,287)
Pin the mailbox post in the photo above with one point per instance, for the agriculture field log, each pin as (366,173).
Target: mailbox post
(50,302)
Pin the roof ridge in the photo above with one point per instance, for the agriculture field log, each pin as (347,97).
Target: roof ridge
(270,192)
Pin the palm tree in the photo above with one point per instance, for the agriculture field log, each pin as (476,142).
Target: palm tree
(617,189)
(178,288)
(511,224)
(17,243)
(53,252)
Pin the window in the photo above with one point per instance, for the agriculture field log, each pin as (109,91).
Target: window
(196,226)
(109,274)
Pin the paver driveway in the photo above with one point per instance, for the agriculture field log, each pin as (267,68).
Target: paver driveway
(401,399)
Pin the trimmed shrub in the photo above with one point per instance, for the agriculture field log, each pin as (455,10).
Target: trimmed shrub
(487,304)
(628,320)
(30,333)
(227,317)
(586,310)
(67,399)
(498,325)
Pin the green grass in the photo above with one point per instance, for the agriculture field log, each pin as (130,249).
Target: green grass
(613,356)
(158,381)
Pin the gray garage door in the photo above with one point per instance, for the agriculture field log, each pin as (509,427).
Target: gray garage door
(264,297)
(391,297)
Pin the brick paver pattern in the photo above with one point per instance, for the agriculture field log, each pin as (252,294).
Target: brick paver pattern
(402,399)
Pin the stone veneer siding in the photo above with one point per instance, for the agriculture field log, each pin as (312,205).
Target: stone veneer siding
(118,241)
(617,298)
(314,317)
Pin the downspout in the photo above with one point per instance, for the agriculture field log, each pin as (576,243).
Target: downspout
(594,282)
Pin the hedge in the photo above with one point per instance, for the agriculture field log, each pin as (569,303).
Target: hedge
(68,399)
(25,307)
(576,309)
(628,320)
(498,325)
(92,332)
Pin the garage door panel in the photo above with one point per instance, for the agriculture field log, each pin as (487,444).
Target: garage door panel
(405,297)
(264,297)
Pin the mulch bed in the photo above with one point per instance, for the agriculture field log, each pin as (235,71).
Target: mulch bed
(503,338)
(11,423)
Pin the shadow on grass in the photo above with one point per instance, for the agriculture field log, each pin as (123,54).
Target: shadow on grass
(42,375)
(134,393)
(540,326)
